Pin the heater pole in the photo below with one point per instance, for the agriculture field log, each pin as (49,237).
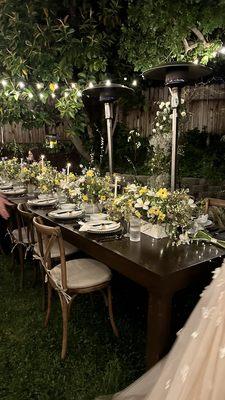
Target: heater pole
(109,118)
(175,102)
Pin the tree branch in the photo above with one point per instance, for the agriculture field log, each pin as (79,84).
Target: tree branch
(199,35)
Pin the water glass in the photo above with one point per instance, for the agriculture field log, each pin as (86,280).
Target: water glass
(135,229)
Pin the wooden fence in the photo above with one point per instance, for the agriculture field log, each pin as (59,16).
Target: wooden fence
(205,106)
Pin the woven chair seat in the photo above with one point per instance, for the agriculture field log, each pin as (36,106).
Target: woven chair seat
(82,273)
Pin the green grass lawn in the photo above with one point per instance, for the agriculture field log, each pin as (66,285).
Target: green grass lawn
(97,362)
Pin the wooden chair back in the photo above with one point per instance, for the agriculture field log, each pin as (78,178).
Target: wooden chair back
(47,236)
(26,221)
(215,208)
(213,202)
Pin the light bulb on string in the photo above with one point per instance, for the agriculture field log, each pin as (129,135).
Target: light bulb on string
(134,83)
(125,78)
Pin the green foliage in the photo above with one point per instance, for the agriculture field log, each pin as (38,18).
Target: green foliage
(97,362)
(162,31)
(203,156)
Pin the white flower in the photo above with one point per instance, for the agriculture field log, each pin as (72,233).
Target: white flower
(182,101)
(191,203)
(140,204)
(162,104)
(157,124)
(164,118)
(154,130)
(183,113)
(157,113)
(168,104)
(138,145)
(161,127)
(129,138)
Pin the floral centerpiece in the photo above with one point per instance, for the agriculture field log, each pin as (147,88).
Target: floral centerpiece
(29,172)
(47,178)
(10,168)
(174,211)
(94,188)
(68,185)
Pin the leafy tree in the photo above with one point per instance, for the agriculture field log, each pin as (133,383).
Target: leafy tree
(161,31)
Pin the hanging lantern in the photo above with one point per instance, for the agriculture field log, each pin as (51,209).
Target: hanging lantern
(51,141)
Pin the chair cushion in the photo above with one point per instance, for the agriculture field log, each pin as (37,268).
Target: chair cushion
(82,273)
(15,234)
(55,253)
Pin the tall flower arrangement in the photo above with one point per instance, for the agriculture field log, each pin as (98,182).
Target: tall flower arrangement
(94,188)
(10,168)
(161,139)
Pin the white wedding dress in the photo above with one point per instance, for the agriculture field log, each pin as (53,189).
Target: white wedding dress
(195,367)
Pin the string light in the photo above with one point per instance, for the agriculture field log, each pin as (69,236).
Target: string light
(125,78)
(21,85)
(134,83)
(4,82)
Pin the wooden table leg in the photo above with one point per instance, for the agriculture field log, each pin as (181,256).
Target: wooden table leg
(159,327)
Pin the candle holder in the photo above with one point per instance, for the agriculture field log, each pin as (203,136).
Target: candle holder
(107,94)
(175,76)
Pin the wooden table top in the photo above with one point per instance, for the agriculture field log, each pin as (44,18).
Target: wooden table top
(153,259)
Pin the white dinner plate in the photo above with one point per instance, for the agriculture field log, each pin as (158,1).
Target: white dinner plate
(98,217)
(13,192)
(103,226)
(42,203)
(60,214)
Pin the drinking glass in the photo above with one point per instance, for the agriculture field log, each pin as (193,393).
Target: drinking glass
(135,229)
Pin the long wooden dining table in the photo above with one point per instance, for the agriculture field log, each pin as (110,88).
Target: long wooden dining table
(155,264)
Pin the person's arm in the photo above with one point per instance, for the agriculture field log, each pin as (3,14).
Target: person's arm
(3,210)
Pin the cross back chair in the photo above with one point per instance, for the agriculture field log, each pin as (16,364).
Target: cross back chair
(70,278)
(213,208)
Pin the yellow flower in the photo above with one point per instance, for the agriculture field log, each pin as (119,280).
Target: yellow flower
(52,87)
(44,188)
(161,216)
(103,198)
(90,173)
(143,190)
(154,211)
(85,197)
(162,193)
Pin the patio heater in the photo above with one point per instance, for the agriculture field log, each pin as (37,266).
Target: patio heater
(107,94)
(175,76)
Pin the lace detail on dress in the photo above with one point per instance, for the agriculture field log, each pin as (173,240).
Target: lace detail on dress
(167,385)
(222,352)
(184,373)
(194,334)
